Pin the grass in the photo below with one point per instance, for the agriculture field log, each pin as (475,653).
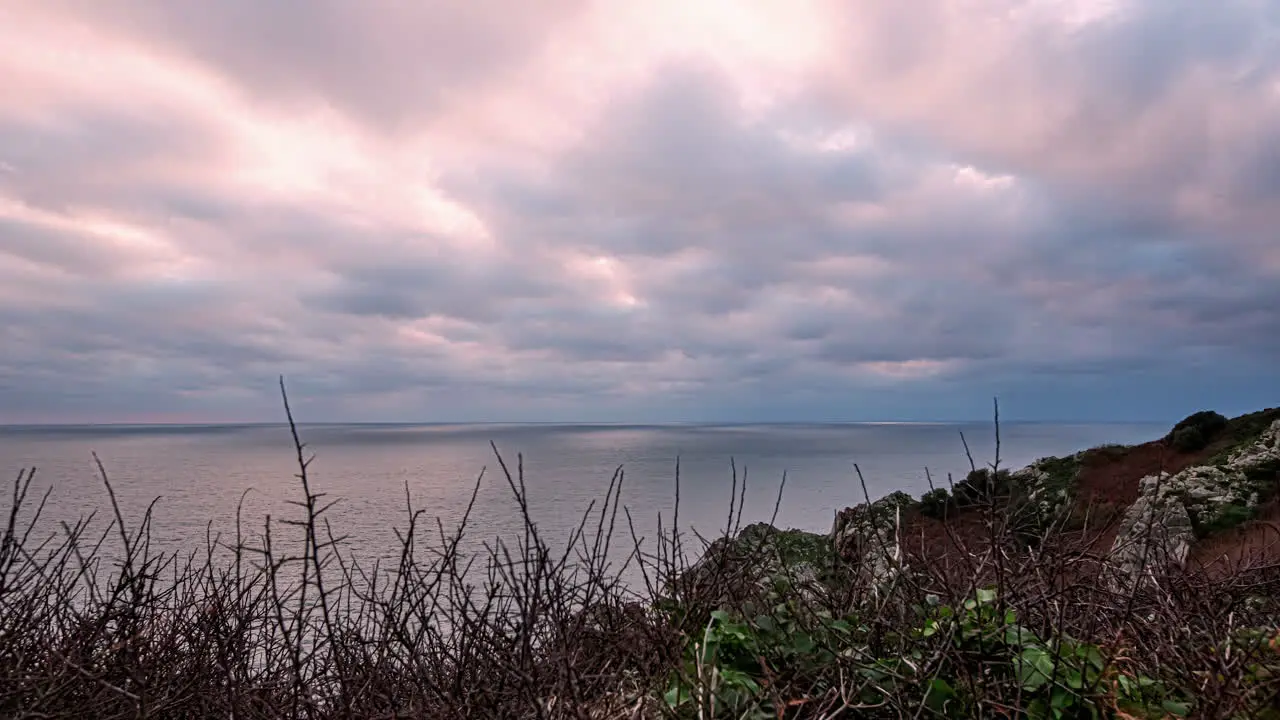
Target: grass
(281,621)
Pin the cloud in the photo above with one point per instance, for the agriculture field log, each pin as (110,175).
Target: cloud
(387,63)
(657,211)
(1166,104)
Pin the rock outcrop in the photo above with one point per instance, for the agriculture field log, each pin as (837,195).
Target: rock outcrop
(1158,530)
(1156,533)
(867,537)
(1155,537)
(1049,484)
(760,558)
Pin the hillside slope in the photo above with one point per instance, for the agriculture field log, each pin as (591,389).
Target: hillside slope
(1098,487)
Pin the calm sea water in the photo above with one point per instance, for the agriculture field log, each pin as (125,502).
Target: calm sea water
(200,474)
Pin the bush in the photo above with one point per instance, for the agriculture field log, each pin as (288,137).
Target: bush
(1226,517)
(934,503)
(1196,430)
(981,485)
(1188,439)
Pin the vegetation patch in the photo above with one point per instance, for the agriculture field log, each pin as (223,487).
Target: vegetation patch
(1221,517)
(1243,431)
(935,503)
(1196,431)
(1109,452)
(849,663)
(982,486)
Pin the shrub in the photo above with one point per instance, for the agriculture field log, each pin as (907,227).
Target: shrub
(1231,515)
(1196,430)
(1188,439)
(980,485)
(731,668)
(934,503)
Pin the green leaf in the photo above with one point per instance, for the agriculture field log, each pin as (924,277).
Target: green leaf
(1126,684)
(803,643)
(1034,667)
(986,596)
(1091,655)
(1037,708)
(677,695)
(1061,700)
(940,693)
(737,678)
(1177,709)
(1018,635)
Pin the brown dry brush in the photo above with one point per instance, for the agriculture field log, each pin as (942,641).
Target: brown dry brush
(282,622)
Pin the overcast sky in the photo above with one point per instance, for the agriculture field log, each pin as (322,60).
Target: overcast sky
(638,211)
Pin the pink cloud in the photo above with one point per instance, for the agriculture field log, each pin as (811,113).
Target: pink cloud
(623,199)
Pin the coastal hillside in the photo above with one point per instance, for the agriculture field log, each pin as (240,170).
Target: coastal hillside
(1155,552)
(1230,517)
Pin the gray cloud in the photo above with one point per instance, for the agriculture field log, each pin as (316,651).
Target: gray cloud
(684,255)
(387,62)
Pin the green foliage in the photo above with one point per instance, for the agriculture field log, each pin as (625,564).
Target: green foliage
(728,671)
(1207,421)
(980,485)
(1061,470)
(1225,517)
(934,503)
(1188,439)
(1057,677)
(1196,431)
(1109,452)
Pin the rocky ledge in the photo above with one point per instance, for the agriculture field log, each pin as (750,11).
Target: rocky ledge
(1174,510)
(864,540)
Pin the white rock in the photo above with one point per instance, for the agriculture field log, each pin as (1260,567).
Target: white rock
(1166,503)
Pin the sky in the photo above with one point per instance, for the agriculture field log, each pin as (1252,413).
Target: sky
(580,210)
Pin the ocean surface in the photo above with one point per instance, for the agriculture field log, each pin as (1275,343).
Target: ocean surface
(201,473)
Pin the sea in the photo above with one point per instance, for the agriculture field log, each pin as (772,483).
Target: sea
(201,482)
